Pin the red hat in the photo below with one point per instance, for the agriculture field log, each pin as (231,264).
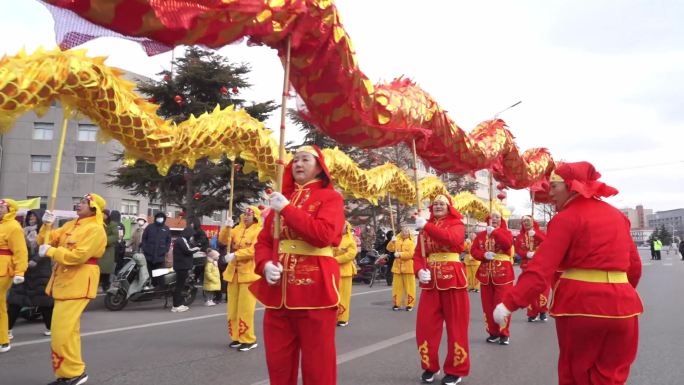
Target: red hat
(450,205)
(582,178)
(288,179)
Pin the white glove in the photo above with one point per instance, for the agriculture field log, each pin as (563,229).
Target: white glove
(490,229)
(228,257)
(42,250)
(424,276)
(18,279)
(420,223)
(229,222)
(501,312)
(277,201)
(490,255)
(272,272)
(394,238)
(530,254)
(531,233)
(48,217)
(32,263)
(397,254)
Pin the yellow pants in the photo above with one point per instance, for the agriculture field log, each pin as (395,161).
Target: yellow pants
(241,305)
(5,283)
(404,284)
(345,299)
(473,283)
(66,337)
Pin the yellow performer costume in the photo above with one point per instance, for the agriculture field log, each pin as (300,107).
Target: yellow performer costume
(13,260)
(240,274)
(345,254)
(404,282)
(471,265)
(75,249)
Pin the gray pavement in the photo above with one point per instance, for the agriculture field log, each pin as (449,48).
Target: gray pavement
(145,344)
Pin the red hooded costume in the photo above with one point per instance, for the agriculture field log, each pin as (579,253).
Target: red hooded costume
(301,309)
(496,276)
(443,300)
(524,244)
(595,302)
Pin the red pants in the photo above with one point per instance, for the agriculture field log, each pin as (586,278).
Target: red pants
(596,351)
(435,308)
(287,333)
(541,305)
(493,295)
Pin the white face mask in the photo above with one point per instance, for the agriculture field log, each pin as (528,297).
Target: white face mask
(159,220)
(141,223)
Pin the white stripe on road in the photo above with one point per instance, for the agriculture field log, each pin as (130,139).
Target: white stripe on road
(366,350)
(162,323)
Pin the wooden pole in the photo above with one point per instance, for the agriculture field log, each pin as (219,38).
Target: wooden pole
(491,193)
(58,168)
(532,205)
(415,181)
(281,147)
(389,206)
(232,188)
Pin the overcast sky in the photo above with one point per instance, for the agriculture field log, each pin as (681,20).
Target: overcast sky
(601,81)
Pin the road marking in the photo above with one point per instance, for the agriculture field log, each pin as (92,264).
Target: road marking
(162,323)
(667,264)
(646,264)
(366,350)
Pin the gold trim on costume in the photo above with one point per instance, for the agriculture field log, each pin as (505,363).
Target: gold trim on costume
(444,257)
(595,276)
(294,246)
(308,149)
(555,178)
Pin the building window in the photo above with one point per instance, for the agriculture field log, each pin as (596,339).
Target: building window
(87,132)
(41,163)
(43,131)
(129,207)
(153,209)
(85,165)
(75,201)
(43,201)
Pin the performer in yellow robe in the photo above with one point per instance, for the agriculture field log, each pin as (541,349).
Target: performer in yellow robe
(404,282)
(13,261)
(345,254)
(240,274)
(471,265)
(75,248)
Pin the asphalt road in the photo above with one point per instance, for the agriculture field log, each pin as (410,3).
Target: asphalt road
(145,344)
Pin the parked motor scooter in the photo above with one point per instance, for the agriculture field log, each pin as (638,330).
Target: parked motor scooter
(132,283)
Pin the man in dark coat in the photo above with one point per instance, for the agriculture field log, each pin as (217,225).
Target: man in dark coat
(156,241)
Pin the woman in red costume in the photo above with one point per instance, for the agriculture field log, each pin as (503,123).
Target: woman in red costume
(443,298)
(595,302)
(527,242)
(300,285)
(493,248)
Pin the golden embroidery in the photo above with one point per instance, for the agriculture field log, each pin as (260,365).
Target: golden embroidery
(460,354)
(423,351)
(542,300)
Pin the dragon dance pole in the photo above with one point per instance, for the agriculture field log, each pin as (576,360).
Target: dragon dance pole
(491,193)
(232,188)
(281,147)
(415,181)
(58,168)
(532,204)
(389,206)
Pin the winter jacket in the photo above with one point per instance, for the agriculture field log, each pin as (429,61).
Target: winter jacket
(182,251)
(156,241)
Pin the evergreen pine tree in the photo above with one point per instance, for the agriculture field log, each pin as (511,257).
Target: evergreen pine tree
(203,80)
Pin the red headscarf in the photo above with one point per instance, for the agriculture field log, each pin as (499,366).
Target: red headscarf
(288,179)
(452,212)
(582,178)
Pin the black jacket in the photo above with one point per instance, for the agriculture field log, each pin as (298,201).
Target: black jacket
(156,241)
(182,251)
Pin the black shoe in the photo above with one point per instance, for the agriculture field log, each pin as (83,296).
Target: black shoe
(542,317)
(428,377)
(450,380)
(234,344)
(82,379)
(247,347)
(503,340)
(531,319)
(395,308)
(342,323)
(492,339)
(409,308)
